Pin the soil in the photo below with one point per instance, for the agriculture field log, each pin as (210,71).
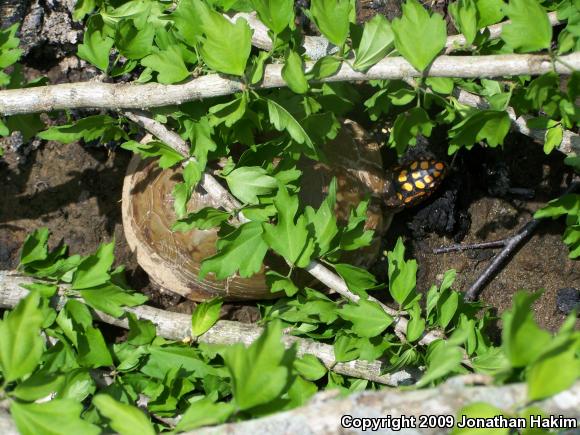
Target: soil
(75,190)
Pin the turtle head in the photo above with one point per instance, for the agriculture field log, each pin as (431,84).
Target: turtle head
(414,182)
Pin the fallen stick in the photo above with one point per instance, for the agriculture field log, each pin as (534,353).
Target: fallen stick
(325,413)
(177,326)
(134,96)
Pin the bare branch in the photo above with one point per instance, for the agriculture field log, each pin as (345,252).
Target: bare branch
(324,413)
(134,96)
(177,326)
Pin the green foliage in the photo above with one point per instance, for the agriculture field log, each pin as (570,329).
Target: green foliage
(569,206)
(417,21)
(332,19)
(530,29)
(205,316)
(262,134)
(375,43)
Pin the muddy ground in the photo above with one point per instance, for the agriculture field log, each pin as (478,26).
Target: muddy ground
(75,191)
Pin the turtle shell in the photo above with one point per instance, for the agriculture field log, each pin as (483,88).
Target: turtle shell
(172,259)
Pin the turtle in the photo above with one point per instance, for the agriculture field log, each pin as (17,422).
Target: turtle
(172,259)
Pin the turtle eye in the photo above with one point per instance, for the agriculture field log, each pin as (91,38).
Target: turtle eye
(417,180)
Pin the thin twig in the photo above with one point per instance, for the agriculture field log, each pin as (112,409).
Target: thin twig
(177,326)
(510,245)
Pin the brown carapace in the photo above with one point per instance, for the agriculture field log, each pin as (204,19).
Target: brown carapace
(416,181)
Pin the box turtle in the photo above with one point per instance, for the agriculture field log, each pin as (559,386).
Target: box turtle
(172,259)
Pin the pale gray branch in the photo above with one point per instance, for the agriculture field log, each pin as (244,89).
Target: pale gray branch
(323,414)
(134,96)
(177,326)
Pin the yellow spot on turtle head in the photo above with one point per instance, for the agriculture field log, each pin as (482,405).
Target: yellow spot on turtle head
(414,165)
(439,166)
(419,184)
(416,175)
(428,179)
(402,178)
(399,195)
(424,165)
(436,174)
(408,187)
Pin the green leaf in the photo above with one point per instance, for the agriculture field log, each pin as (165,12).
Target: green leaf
(489,125)
(169,65)
(414,22)
(96,127)
(376,42)
(276,14)
(408,126)
(290,237)
(489,12)
(278,282)
(324,67)
(93,351)
(94,269)
(522,340)
(293,73)
(332,19)
(203,219)
(358,280)
(205,315)
(227,45)
(35,247)
(261,372)
(38,386)
(402,274)
(464,13)
(368,318)
(110,298)
(256,72)
(204,412)
(553,137)
(134,43)
(125,419)
(283,120)
(141,331)
(354,236)
(324,221)
(83,8)
(443,359)
(310,367)
(21,346)
(243,250)
(168,156)
(441,85)
(553,372)
(230,112)
(447,305)
(54,417)
(530,28)
(249,182)
(479,410)
(96,44)
(568,204)
(416,325)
